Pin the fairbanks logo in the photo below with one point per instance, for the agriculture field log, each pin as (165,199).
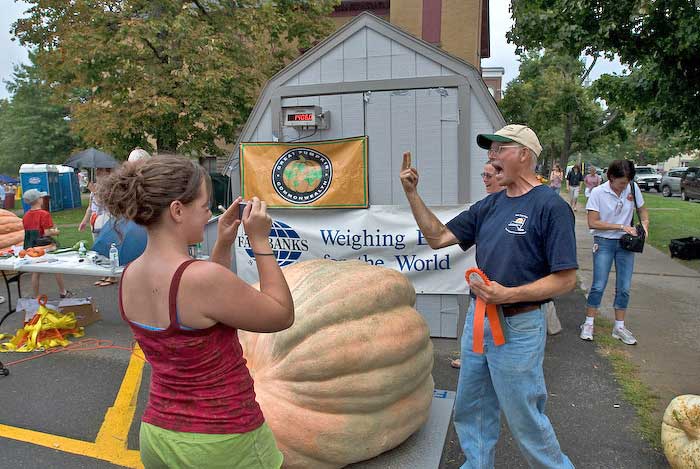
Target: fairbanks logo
(302,175)
(286,244)
(517,226)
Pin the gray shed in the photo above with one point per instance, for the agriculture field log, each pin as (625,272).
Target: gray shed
(371,78)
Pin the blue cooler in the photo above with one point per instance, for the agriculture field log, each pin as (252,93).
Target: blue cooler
(66,179)
(42,177)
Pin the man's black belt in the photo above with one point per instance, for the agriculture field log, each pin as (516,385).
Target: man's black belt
(518,308)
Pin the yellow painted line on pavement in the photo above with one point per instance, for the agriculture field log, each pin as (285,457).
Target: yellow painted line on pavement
(111,442)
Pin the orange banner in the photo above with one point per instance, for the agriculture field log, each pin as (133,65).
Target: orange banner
(328,174)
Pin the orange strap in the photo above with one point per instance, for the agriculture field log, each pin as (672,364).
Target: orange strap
(482,310)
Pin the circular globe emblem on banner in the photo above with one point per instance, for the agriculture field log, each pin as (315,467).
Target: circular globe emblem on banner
(286,244)
(302,175)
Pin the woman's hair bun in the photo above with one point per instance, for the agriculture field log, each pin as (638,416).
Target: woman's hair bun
(141,190)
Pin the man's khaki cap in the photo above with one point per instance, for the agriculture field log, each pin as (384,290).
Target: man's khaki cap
(512,133)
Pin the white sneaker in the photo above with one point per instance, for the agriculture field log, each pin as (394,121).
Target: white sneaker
(586,331)
(624,335)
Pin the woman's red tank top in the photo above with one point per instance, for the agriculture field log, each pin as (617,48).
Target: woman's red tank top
(199,379)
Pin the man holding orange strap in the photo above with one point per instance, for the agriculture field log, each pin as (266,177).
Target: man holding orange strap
(526,253)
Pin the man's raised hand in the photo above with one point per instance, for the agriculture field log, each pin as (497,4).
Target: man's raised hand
(409,175)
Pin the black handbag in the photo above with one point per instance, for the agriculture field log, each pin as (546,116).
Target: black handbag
(634,243)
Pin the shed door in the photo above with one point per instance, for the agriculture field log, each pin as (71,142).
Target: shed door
(423,122)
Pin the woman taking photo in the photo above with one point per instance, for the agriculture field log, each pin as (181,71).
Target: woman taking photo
(610,210)
(185,315)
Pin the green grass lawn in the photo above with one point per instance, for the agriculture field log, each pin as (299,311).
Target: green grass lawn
(669,218)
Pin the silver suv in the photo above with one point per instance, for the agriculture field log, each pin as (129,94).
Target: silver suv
(646,177)
(671,182)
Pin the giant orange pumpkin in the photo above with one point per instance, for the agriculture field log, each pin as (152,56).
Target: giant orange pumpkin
(11,229)
(352,377)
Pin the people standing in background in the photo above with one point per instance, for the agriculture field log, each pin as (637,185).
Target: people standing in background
(556,176)
(591,180)
(96,215)
(610,210)
(573,185)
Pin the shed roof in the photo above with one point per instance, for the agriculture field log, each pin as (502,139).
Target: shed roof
(455,65)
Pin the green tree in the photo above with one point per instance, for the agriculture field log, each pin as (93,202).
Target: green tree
(658,40)
(32,128)
(643,145)
(549,96)
(182,73)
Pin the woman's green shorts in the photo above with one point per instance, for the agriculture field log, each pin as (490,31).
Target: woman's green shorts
(162,448)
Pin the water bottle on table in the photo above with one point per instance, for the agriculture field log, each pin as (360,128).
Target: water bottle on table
(113,257)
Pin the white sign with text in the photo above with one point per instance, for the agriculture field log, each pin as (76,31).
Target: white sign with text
(383,235)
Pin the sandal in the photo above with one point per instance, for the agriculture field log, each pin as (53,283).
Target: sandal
(456,363)
(105,283)
(67,294)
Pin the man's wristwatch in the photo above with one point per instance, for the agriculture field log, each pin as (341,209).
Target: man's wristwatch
(622,227)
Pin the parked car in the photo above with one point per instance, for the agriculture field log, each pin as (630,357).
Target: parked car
(646,177)
(690,184)
(671,181)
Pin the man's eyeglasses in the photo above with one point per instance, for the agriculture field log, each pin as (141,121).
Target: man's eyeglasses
(493,152)
(486,175)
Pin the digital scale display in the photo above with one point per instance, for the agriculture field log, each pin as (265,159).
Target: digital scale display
(301,116)
(304,117)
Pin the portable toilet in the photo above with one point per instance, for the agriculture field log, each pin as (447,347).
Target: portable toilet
(75,186)
(371,79)
(70,191)
(42,177)
(64,181)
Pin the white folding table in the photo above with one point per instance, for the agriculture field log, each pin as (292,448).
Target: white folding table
(69,263)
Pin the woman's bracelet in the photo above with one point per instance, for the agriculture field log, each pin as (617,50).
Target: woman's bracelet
(263,253)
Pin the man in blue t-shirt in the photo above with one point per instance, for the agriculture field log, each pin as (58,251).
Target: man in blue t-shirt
(525,244)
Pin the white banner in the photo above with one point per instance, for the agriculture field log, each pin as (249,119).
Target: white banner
(383,235)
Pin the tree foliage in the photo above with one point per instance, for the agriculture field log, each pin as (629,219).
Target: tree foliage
(658,40)
(644,145)
(549,96)
(32,128)
(184,74)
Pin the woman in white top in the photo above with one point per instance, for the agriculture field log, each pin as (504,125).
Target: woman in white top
(610,209)
(96,215)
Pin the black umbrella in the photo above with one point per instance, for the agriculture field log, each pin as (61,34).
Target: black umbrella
(92,158)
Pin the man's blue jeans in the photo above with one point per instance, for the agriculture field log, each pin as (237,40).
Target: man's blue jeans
(605,251)
(508,378)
